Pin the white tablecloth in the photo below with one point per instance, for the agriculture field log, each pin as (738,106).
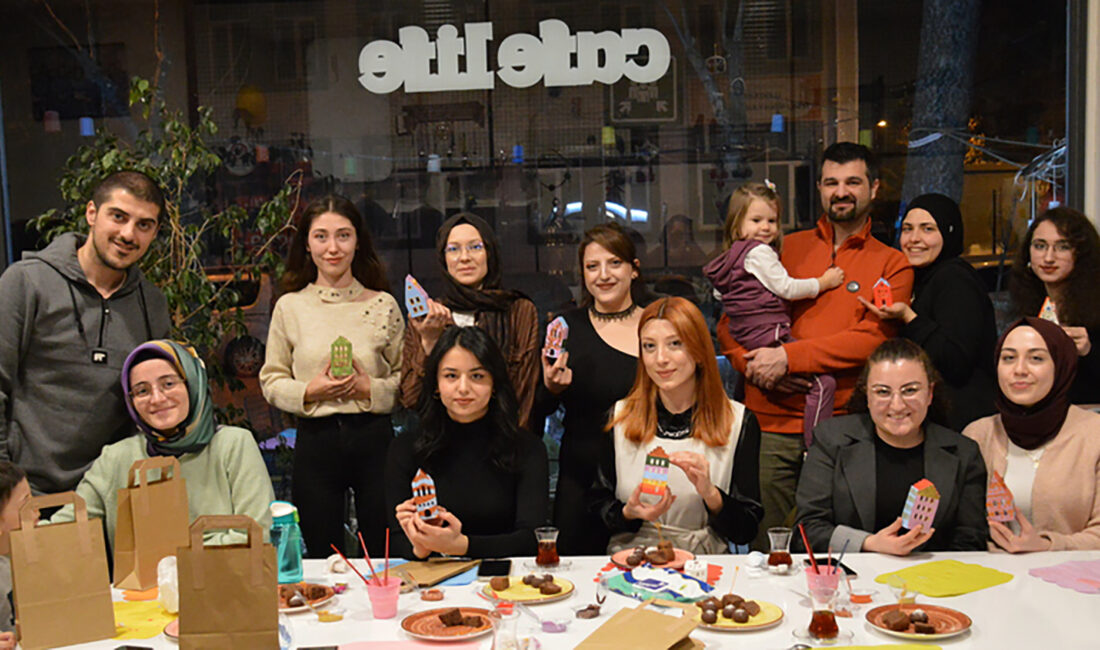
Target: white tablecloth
(1024,613)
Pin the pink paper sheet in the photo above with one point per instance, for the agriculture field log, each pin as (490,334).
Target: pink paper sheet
(1082,576)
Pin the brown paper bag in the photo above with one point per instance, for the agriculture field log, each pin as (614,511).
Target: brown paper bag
(642,629)
(228,594)
(152,522)
(59,577)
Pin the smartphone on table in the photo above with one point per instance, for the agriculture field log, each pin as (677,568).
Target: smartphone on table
(489,569)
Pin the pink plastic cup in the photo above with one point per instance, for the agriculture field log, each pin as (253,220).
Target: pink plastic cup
(383,596)
(826,580)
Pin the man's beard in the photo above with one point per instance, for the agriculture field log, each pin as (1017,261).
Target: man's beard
(853,214)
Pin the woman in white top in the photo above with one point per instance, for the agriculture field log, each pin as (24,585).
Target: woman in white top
(1046,450)
(336,296)
(677,403)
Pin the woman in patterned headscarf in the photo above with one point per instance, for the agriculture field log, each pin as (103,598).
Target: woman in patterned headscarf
(168,397)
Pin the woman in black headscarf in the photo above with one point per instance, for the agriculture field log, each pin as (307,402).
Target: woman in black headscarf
(469,260)
(951,315)
(1038,448)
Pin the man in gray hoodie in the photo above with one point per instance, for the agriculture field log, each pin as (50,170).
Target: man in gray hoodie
(69,315)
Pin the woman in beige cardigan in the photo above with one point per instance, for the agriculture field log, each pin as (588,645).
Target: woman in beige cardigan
(1047,450)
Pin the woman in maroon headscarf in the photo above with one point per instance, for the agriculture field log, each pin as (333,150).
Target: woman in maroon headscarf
(1046,450)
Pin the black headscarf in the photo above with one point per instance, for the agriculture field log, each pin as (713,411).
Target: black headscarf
(490,303)
(1032,426)
(949,220)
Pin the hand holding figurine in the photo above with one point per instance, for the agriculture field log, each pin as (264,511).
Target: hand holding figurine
(430,326)
(636,509)
(830,279)
(325,387)
(1028,540)
(890,542)
(556,373)
(896,310)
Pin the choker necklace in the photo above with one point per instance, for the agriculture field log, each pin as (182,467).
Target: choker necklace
(614,315)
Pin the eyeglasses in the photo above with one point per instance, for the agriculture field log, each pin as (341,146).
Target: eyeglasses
(144,390)
(907,392)
(1061,247)
(454,250)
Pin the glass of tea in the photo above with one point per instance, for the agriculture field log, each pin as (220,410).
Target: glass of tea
(823,584)
(779,559)
(547,537)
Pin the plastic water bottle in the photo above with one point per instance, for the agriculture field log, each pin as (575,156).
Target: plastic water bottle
(286,537)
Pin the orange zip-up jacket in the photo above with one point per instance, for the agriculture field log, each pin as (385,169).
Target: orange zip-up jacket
(834,332)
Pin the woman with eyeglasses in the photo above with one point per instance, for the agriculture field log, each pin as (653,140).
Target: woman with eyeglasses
(336,301)
(168,397)
(469,260)
(859,471)
(1054,277)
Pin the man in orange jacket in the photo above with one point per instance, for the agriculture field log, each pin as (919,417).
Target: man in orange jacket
(834,333)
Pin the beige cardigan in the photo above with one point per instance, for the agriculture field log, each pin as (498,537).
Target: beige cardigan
(1065,497)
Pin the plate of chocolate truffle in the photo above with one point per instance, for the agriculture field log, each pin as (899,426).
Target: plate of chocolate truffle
(448,623)
(293,597)
(663,555)
(732,613)
(530,589)
(918,622)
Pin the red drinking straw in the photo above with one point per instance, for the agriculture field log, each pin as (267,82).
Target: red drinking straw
(367,555)
(348,562)
(387,578)
(829,560)
(813,562)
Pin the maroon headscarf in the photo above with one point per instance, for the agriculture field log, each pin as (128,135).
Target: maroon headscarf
(1032,426)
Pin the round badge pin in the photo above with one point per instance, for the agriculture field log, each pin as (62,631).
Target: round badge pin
(852,287)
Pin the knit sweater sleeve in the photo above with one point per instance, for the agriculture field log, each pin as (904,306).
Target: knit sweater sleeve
(250,492)
(384,389)
(277,381)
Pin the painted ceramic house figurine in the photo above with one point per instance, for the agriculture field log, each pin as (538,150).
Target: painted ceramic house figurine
(655,475)
(416,299)
(423,490)
(340,355)
(998,500)
(920,505)
(880,294)
(1048,312)
(556,333)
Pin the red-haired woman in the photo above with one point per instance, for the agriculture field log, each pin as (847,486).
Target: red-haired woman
(677,403)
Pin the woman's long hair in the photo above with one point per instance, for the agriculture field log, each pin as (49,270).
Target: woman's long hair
(503,407)
(1075,306)
(901,349)
(366,266)
(613,238)
(712,417)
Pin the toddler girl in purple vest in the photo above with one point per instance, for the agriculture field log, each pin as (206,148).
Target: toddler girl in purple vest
(756,289)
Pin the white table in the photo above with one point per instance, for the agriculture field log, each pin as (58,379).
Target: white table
(1024,613)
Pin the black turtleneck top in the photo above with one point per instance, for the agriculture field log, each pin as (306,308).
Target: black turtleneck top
(499,510)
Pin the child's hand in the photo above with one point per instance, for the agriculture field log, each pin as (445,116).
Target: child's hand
(831,279)
(7,640)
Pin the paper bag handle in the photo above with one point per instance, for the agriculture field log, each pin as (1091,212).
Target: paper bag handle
(34,504)
(139,471)
(255,543)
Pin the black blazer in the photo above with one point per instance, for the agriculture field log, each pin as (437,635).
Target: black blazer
(836,492)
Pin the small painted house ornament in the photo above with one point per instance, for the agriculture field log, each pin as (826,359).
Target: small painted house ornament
(655,474)
(556,333)
(423,491)
(920,505)
(340,355)
(1048,311)
(880,294)
(999,504)
(416,299)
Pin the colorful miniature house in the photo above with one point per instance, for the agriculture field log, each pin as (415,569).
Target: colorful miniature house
(999,504)
(556,333)
(341,365)
(880,294)
(416,299)
(655,475)
(423,491)
(920,505)
(1048,311)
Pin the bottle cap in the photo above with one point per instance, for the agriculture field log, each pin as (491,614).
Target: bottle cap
(283,512)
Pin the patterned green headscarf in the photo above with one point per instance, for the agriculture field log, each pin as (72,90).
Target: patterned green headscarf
(196,430)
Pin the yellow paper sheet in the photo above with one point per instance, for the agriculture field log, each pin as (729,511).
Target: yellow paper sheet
(140,620)
(947,578)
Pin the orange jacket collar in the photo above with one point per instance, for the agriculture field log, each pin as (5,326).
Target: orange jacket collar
(825,231)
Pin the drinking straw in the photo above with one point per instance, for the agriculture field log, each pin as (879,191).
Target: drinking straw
(829,560)
(348,562)
(367,555)
(843,550)
(810,551)
(387,578)
(736,569)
